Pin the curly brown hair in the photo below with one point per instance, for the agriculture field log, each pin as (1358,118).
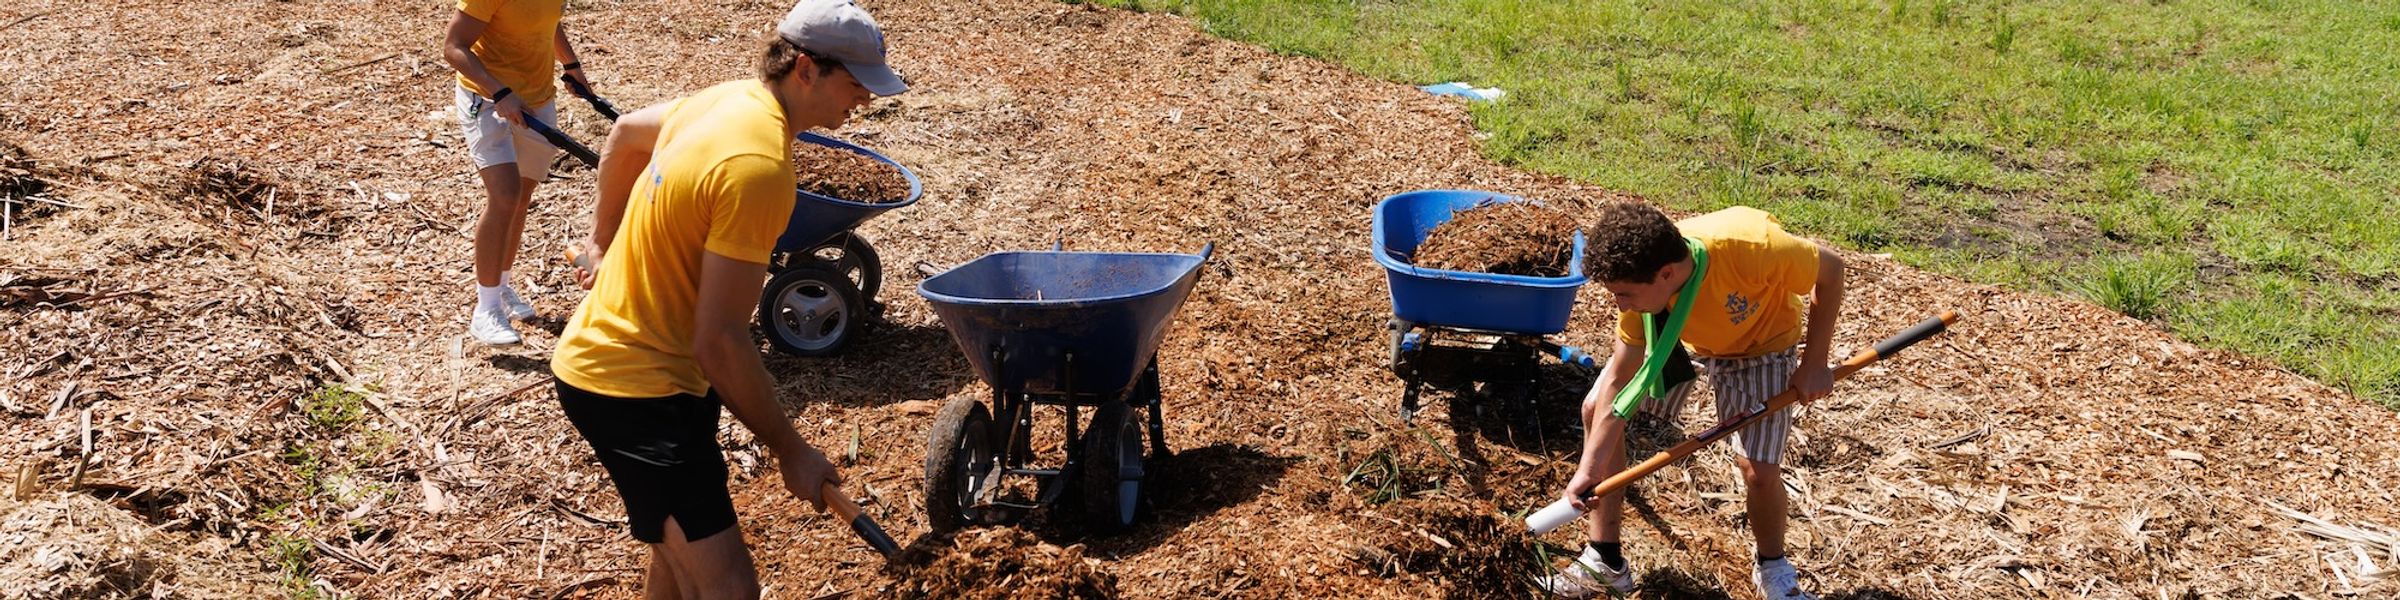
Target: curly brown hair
(1629,242)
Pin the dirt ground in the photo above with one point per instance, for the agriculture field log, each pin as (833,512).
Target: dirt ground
(235,279)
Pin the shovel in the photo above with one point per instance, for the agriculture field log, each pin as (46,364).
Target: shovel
(599,105)
(867,529)
(1560,513)
(559,139)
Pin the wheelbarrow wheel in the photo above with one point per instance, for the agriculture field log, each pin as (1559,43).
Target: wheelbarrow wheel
(851,255)
(810,310)
(958,465)
(1114,470)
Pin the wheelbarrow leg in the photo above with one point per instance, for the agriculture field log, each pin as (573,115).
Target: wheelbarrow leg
(1148,392)
(1401,364)
(1071,471)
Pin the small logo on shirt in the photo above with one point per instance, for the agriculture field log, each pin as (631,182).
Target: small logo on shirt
(1739,308)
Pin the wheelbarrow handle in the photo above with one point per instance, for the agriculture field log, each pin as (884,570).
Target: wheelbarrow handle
(559,139)
(1561,512)
(865,527)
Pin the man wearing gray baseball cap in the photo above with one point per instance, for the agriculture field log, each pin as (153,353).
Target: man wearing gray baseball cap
(693,193)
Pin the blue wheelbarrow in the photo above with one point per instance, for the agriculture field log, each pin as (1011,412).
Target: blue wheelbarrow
(1070,330)
(825,276)
(1457,329)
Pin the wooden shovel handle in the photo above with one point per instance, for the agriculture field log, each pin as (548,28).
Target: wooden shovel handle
(1885,349)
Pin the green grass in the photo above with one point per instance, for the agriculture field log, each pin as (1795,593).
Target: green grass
(2247,145)
(334,408)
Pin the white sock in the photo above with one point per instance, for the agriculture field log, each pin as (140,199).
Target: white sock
(488,297)
(507,275)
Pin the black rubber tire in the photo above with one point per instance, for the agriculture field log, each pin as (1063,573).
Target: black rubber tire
(1114,470)
(957,453)
(810,310)
(850,255)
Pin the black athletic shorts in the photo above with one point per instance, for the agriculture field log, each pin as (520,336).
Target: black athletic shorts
(662,453)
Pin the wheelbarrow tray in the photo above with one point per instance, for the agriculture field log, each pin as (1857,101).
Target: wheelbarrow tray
(816,218)
(1512,304)
(1108,309)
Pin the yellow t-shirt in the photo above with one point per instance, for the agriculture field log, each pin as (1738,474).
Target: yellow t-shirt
(719,180)
(517,45)
(1749,300)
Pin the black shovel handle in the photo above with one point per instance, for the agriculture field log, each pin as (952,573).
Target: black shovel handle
(599,105)
(1915,333)
(556,138)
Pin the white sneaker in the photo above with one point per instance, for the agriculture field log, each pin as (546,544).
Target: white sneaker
(491,326)
(1587,577)
(1777,580)
(518,309)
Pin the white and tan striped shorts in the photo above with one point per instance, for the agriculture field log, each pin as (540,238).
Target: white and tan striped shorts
(1741,384)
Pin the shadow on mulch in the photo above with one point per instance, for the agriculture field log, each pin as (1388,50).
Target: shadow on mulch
(1868,593)
(1190,485)
(518,363)
(1675,584)
(886,363)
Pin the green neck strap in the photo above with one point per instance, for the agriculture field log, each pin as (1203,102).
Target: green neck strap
(1649,382)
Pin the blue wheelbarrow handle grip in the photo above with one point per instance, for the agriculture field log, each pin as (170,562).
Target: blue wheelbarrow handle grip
(556,138)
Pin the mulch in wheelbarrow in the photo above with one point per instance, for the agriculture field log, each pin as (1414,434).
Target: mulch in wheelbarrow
(1509,238)
(843,174)
(1000,563)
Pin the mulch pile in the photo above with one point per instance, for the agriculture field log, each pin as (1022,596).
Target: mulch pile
(22,187)
(839,173)
(250,376)
(76,546)
(18,173)
(1002,563)
(1507,238)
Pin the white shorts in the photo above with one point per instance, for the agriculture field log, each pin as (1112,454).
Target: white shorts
(1741,385)
(491,141)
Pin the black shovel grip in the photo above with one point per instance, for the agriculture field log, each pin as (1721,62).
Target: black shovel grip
(1915,333)
(875,537)
(599,105)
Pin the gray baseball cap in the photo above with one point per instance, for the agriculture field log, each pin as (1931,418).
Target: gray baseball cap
(840,30)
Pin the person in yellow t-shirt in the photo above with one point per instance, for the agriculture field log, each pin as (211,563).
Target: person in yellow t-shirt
(693,193)
(502,51)
(1738,280)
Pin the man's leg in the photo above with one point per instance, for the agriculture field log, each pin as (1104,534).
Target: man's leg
(1607,521)
(716,567)
(1769,505)
(659,582)
(504,206)
(1745,387)
(1608,516)
(516,223)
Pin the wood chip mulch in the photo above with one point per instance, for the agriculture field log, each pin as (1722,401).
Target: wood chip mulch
(1507,238)
(2044,448)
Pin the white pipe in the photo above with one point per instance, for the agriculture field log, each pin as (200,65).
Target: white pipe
(1551,517)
